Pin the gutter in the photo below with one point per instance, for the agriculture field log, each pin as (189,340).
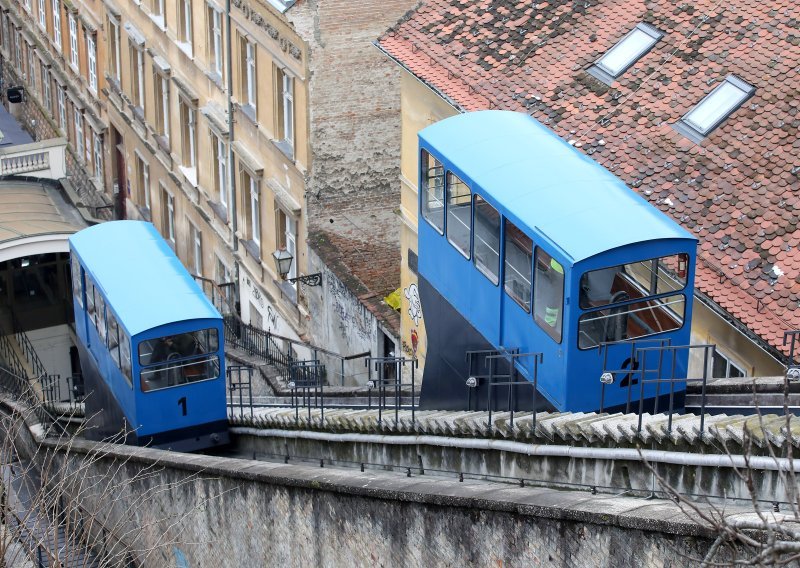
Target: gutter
(539,450)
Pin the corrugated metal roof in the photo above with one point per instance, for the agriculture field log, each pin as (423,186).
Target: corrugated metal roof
(140,275)
(547,184)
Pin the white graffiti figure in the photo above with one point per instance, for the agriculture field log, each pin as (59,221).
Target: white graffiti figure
(414,305)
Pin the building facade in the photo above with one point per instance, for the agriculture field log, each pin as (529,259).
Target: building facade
(234,128)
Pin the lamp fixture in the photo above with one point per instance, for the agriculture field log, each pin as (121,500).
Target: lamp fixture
(283,264)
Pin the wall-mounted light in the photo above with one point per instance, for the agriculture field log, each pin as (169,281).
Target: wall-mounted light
(283,264)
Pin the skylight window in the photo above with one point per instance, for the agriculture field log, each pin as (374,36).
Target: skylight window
(715,108)
(625,53)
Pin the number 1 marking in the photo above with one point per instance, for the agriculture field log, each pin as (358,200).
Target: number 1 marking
(182,402)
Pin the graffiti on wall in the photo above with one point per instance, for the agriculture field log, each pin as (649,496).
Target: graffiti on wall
(354,317)
(414,303)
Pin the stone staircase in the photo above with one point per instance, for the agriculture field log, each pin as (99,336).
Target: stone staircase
(745,396)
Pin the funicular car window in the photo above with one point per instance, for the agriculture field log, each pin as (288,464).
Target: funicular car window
(487,239)
(179,359)
(630,321)
(459,213)
(77,289)
(518,254)
(548,294)
(610,293)
(432,190)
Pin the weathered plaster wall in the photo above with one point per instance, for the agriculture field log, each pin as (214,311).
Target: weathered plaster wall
(244,513)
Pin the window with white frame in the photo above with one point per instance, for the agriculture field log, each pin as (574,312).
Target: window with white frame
(185,23)
(723,367)
(718,105)
(285,96)
(625,53)
(142,181)
(88,145)
(248,67)
(27,4)
(220,161)
(18,51)
(167,215)
(286,237)
(157,13)
(98,156)
(6,33)
(215,40)
(31,66)
(252,198)
(162,103)
(57,23)
(73,40)
(62,109)
(188,115)
(113,49)
(196,240)
(42,14)
(46,92)
(91,57)
(78,125)
(137,75)
(223,276)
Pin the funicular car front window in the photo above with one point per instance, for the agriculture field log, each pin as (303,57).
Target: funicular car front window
(432,190)
(459,213)
(179,359)
(632,300)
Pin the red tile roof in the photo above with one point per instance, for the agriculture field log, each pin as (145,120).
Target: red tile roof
(738,191)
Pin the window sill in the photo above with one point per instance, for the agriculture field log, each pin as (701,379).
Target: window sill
(252,248)
(215,78)
(159,22)
(186,48)
(286,148)
(144,212)
(190,174)
(163,143)
(220,210)
(250,112)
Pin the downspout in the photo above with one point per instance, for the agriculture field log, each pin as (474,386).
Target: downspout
(231,160)
(541,450)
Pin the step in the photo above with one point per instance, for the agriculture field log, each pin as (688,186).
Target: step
(743,385)
(743,399)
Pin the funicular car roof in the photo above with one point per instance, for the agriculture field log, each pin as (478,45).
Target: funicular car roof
(543,183)
(140,275)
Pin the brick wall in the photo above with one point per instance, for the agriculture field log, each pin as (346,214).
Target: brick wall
(353,185)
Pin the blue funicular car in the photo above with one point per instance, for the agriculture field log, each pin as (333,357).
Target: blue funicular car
(527,244)
(150,343)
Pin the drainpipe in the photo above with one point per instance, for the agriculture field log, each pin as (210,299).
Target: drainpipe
(543,450)
(231,160)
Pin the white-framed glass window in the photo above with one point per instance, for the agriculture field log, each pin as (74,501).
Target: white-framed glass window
(288,108)
(723,367)
(286,237)
(73,40)
(142,181)
(718,105)
(62,109)
(6,33)
(188,134)
(98,156)
(46,92)
(78,124)
(31,66)
(168,215)
(42,14)
(57,23)
(185,28)
(628,50)
(27,4)
(157,13)
(255,210)
(137,75)
(215,39)
(113,49)
(91,57)
(18,51)
(196,238)
(250,73)
(162,103)
(220,151)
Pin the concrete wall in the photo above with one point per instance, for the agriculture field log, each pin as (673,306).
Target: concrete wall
(52,345)
(243,513)
(343,324)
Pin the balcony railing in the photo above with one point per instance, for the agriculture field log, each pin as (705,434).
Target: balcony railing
(45,159)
